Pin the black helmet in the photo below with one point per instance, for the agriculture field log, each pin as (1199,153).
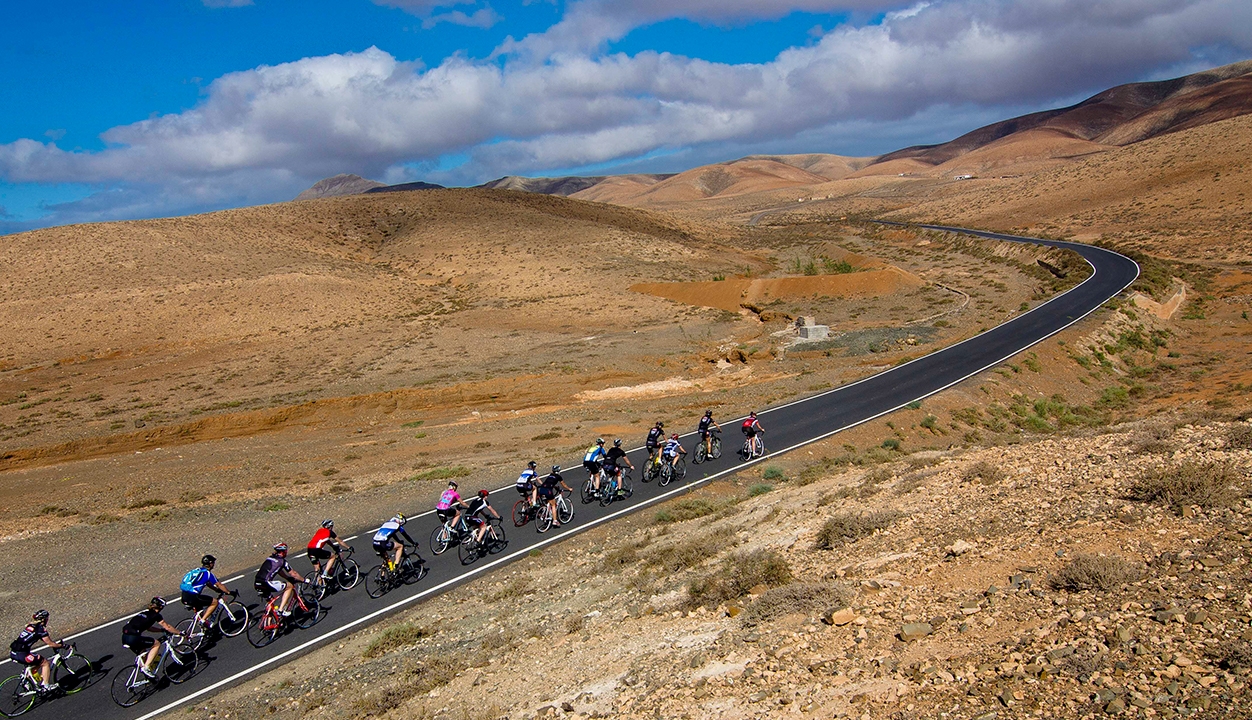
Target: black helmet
(328,524)
(531,464)
(207,560)
(660,424)
(556,468)
(40,616)
(708,413)
(617,442)
(157,602)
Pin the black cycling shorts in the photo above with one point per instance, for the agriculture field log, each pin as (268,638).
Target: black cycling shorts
(195,601)
(319,553)
(445,515)
(523,490)
(26,658)
(592,465)
(138,643)
(385,547)
(547,493)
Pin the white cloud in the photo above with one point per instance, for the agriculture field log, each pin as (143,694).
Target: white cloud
(481,18)
(263,134)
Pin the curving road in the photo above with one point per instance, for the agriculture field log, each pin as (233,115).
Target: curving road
(789,426)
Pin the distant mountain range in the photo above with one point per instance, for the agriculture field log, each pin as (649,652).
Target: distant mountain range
(1119,116)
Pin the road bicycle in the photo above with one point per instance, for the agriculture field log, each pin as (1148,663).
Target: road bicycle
(493,542)
(382,579)
(346,575)
(306,611)
(71,672)
(229,618)
(617,489)
(524,511)
(448,535)
(564,512)
(670,472)
(651,467)
(177,662)
(702,453)
(589,492)
(753,447)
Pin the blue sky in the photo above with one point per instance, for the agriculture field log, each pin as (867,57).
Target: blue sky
(152,108)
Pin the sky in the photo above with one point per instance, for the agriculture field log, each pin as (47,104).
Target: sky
(152,108)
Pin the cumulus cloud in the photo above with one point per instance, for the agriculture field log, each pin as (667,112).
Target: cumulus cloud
(281,127)
(481,18)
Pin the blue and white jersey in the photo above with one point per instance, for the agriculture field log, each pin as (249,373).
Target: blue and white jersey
(671,448)
(526,479)
(595,453)
(385,532)
(195,580)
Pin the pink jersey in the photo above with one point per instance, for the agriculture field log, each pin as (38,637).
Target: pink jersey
(449,498)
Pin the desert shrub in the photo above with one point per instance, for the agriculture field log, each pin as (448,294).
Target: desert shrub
(796,598)
(574,623)
(686,509)
(1232,655)
(1189,483)
(394,638)
(417,679)
(1095,572)
(737,575)
(515,588)
(442,473)
(845,528)
(984,472)
(773,472)
(688,553)
(140,504)
(759,489)
(891,444)
(57,511)
(1239,437)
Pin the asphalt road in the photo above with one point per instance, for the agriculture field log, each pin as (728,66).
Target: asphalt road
(788,426)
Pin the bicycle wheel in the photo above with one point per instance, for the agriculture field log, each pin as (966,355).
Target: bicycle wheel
(564,509)
(72,674)
(125,691)
(306,611)
(412,568)
(606,497)
(193,632)
(15,697)
(588,492)
(439,540)
(626,488)
(667,474)
(494,538)
(266,629)
(377,581)
(232,618)
(680,469)
(699,455)
(717,447)
(182,665)
(543,519)
(348,574)
(468,550)
(521,513)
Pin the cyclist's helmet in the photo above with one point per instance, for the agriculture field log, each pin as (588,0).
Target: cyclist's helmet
(674,436)
(617,442)
(399,519)
(157,603)
(599,441)
(452,483)
(207,560)
(660,424)
(556,468)
(708,413)
(532,464)
(281,548)
(328,524)
(483,493)
(40,616)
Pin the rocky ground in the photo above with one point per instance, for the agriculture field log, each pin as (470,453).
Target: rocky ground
(1100,573)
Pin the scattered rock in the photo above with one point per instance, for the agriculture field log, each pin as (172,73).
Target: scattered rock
(959,548)
(839,618)
(915,631)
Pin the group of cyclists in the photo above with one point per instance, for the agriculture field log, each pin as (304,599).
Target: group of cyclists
(276,577)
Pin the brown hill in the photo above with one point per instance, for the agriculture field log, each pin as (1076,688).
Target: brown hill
(339,185)
(1114,116)
(564,186)
(738,177)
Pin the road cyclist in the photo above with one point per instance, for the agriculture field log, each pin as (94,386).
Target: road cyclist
(550,486)
(527,485)
(706,428)
(191,590)
(593,461)
(22,650)
(672,464)
(753,445)
(135,639)
(613,462)
(277,576)
(324,551)
(653,443)
(389,541)
(448,510)
(398,567)
(477,511)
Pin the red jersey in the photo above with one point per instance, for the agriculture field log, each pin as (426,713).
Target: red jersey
(320,538)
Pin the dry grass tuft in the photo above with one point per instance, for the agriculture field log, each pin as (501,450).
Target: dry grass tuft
(1190,483)
(1095,572)
(984,473)
(846,528)
(395,638)
(1239,437)
(797,598)
(737,575)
